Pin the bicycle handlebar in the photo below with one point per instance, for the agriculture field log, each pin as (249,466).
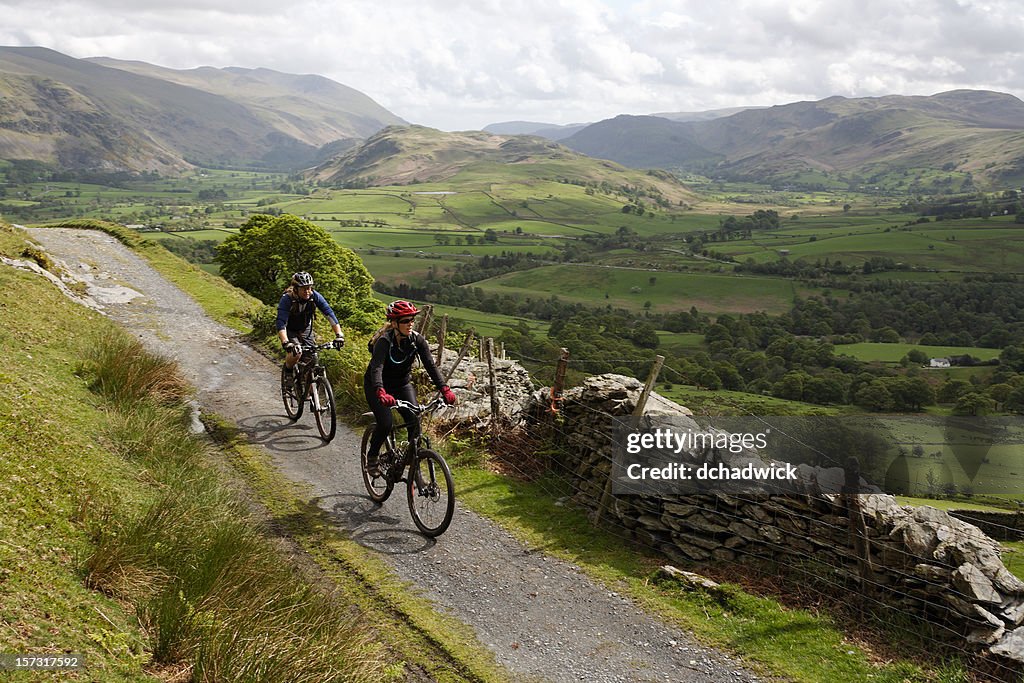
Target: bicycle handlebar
(317,347)
(416,408)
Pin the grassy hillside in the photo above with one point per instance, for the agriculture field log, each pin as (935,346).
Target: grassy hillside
(416,154)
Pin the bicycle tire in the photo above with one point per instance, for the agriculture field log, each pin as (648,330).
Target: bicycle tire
(324,409)
(431,493)
(378,487)
(293,404)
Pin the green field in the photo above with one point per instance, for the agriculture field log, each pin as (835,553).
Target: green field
(632,288)
(975,245)
(892,353)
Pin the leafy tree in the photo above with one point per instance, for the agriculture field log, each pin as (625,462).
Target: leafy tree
(973,403)
(266,251)
(874,396)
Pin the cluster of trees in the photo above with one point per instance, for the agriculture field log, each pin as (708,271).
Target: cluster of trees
(265,252)
(978,205)
(195,251)
(819,270)
(983,311)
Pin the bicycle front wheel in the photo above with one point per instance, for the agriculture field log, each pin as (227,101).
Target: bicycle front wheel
(292,401)
(324,409)
(377,486)
(431,493)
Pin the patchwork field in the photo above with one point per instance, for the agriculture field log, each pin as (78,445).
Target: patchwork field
(633,289)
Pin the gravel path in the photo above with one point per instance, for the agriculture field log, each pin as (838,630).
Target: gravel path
(542,617)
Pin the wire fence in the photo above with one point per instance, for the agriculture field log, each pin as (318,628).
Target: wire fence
(820,547)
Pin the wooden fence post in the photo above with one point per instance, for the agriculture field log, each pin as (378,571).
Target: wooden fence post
(489,353)
(440,338)
(462,354)
(424,321)
(559,384)
(641,403)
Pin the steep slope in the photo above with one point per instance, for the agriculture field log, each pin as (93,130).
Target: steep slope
(79,114)
(963,131)
(400,155)
(310,108)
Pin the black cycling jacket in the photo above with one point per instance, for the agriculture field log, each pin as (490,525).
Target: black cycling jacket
(391,361)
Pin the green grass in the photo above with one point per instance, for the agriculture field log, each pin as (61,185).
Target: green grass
(892,353)
(941,504)
(55,461)
(724,402)
(632,288)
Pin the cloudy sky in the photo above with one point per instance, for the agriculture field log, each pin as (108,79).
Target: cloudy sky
(459,65)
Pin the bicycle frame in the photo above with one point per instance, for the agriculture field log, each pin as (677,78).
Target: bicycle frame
(311,369)
(421,441)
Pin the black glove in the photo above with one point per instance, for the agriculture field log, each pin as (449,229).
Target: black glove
(339,341)
(290,347)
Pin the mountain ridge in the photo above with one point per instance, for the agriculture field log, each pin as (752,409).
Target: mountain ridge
(91,115)
(973,133)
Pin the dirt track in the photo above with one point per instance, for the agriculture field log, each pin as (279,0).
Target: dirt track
(543,619)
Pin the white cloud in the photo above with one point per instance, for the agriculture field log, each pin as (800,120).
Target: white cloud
(463,64)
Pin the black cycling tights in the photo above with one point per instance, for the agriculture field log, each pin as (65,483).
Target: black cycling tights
(383,415)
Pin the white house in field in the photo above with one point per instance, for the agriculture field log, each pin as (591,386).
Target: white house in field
(938,363)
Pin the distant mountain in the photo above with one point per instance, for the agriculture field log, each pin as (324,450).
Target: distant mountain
(402,155)
(310,108)
(642,142)
(551,131)
(702,115)
(110,115)
(966,134)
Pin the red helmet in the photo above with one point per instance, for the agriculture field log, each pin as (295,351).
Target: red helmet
(400,309)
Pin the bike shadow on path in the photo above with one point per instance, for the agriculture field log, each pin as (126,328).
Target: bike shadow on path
(280,434)
(370,525)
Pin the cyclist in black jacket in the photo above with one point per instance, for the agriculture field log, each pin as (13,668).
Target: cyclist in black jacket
(393,350)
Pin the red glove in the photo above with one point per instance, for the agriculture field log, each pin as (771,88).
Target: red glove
(386,399)
(449,395)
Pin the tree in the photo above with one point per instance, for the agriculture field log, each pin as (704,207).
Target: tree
(874,396)
(266,251)
(973,403)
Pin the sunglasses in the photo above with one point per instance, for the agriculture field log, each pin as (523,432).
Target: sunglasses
(405,321)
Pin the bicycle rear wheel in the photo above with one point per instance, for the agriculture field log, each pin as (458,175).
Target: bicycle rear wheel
(378,486)
(431,493)
(324,410)
(292,401)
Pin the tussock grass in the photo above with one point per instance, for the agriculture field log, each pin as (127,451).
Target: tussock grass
(123,373)
(209,588)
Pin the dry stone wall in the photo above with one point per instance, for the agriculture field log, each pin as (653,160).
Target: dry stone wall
(919,560)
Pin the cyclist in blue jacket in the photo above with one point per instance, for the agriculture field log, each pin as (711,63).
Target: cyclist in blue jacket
(393,350)
(295,318)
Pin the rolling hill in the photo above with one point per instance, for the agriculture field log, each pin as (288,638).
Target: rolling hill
(87,114)
(402,155)
(971,136)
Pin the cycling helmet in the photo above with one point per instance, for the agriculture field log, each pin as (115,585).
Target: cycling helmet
(302,279)
(400,309)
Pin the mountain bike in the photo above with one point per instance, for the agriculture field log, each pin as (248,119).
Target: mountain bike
(308,383)
(429,485)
